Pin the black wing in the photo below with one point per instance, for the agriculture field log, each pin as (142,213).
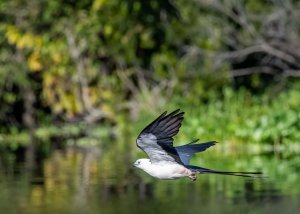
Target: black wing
(157,138)
(186,151)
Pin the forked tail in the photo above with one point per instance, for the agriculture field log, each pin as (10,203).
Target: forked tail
(201,170)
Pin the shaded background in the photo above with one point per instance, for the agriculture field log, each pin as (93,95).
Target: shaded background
(80,79)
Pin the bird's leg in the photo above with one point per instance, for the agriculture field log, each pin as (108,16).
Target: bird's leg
(193,176)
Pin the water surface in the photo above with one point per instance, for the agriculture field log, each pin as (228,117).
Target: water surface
(93,179)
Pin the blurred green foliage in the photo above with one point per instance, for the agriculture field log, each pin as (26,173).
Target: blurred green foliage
(242,117)
(95,60)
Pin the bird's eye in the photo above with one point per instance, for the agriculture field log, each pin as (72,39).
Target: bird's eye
(138,162)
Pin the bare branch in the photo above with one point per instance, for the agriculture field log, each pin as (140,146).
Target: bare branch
(76,51)
(252,70)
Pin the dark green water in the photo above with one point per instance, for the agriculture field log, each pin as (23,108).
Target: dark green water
(101,180)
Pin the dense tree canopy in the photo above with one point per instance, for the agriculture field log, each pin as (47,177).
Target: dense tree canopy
(92,58)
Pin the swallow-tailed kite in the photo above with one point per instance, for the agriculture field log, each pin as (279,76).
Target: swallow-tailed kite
(167,161)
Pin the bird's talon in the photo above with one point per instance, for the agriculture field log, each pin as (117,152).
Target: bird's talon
(193,176)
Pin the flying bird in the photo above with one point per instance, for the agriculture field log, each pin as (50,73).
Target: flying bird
(167,161)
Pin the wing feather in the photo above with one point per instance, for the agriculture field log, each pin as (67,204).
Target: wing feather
(187,151)
(157,138)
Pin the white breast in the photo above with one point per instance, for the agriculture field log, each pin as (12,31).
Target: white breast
(167,170)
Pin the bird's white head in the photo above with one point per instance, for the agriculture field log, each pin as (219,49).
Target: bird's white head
(142,163)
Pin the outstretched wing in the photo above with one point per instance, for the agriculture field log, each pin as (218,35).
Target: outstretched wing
(187,151)
(157,138)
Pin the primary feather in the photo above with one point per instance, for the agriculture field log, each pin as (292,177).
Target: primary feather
(157,138)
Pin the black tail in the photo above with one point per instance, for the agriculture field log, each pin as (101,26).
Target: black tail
(241,174)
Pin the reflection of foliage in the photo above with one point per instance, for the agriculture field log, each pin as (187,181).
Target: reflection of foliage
(90,179)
